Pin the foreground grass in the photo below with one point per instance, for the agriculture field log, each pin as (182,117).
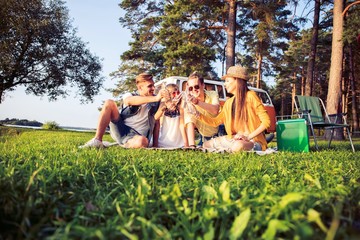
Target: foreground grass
(51,189)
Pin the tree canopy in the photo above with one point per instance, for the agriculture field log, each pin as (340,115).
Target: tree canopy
(179,37)
(40,50)
(171,38)
(271,40)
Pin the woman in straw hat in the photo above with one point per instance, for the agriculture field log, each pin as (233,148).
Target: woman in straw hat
(243,115)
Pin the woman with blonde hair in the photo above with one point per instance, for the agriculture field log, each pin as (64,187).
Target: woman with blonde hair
(172,132)
(244,116)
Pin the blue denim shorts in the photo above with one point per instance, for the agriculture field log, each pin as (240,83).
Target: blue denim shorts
(122,133)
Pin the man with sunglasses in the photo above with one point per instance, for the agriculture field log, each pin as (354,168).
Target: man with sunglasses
(205,102)
(134,125)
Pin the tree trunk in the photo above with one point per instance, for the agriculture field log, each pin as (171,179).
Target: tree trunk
(303,81)
(355,119)
(344,83)
(258,82)
(312,55)
(334,90)
(223,71)
(231,32)
(282,110)
(293,93)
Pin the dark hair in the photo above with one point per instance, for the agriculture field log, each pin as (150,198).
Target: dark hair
(198,76)
(239,111)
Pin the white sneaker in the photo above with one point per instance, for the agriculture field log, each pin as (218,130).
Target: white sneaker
(93,143)
(109,144)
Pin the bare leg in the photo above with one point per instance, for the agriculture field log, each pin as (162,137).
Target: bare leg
(241,145)
(137,142)
(108,113)
(190,131)
(209,144)
(218,142)
(232,145)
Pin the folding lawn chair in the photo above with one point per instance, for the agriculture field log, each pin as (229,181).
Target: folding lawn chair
(310,109)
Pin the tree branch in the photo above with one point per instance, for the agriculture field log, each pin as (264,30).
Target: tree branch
(348,7)
(206,28)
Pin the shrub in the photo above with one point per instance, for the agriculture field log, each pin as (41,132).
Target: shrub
(52,125)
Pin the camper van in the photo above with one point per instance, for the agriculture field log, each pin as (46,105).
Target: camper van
(219,87)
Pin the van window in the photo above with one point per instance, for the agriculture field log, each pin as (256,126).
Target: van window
(264,98)
(220,91)
(183,88)
(209,87)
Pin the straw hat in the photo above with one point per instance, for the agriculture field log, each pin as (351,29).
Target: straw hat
(236,72)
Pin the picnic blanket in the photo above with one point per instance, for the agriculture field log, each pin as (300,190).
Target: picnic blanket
(201,149)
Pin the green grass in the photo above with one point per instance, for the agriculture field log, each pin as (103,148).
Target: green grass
(51,189)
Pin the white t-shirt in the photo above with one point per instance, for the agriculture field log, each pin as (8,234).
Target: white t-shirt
(140,121)
(170,135)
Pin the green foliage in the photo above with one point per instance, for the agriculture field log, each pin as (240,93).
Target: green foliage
(22,122)
(51,125)
(6,132)
(51,189)
(266,30)
(171,38)
(351,33)
(292,69)
(186,36)
(351,28)
(40,50)
(177,38)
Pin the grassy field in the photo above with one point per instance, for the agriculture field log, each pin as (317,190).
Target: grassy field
(51,189)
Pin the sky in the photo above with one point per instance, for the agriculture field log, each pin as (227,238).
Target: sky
(97,24)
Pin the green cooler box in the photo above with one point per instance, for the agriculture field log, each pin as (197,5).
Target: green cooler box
(292,135)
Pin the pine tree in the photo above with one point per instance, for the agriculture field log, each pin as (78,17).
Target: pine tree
(266,34)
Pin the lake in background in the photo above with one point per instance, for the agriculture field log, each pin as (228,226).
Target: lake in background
(79,129)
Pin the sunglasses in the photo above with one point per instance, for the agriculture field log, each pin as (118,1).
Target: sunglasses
(174,93)
(196,87)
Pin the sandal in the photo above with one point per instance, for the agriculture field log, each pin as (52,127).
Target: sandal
(190,147)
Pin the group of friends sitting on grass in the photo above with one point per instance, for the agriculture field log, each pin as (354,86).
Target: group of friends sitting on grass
(169,118)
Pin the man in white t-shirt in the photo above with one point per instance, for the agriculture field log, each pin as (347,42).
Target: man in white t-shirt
(134,126)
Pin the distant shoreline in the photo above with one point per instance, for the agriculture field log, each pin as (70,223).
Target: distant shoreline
(78,129)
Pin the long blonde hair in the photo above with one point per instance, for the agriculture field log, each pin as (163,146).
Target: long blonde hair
(239,111)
